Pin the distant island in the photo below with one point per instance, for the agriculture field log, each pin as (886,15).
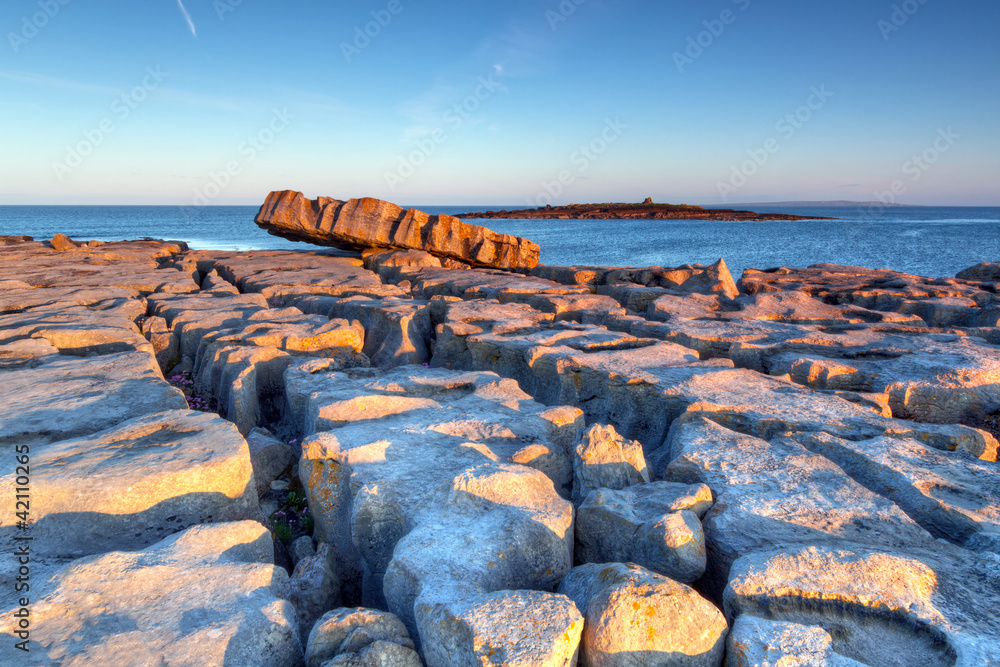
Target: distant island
(839,203)
(647,210)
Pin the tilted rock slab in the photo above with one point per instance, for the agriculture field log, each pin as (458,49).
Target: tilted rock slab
(207,596)
(357,224)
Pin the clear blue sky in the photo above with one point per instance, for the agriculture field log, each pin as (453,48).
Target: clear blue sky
(332,113)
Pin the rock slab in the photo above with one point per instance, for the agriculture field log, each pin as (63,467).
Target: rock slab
(359,224)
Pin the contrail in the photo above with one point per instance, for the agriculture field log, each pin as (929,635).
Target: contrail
(187,17)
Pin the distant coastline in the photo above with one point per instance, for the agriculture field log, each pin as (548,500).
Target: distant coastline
(839,203)
(644,211)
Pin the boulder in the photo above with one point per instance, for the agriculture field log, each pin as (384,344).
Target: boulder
(207,596)
(633,616)
(350,631)
(301,549)
(62,243)
(509,628)
(987,272)
(358,224)
(604,459)
(654,525)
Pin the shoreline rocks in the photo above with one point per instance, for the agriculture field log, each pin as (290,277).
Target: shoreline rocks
(584,465)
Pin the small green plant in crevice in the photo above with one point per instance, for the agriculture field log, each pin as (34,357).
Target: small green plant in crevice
(171,364)
(293,520)
(296,502)
(282,530)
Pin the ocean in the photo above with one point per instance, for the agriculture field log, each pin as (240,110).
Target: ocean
(927,241)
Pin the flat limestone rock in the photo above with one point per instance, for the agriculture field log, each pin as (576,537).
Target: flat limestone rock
(765,406)
(756,642)
(66,397)
(881,608)
(397,331)
(372,223)
(632,617)
(772,495)
(134,484)
(207,596)
(938,378)
(952,494)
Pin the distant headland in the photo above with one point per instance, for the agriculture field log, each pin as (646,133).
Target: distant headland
(647,210)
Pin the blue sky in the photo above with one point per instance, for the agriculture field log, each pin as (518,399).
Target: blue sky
(510,103)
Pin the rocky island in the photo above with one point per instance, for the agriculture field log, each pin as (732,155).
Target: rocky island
(644,211)
(420,447)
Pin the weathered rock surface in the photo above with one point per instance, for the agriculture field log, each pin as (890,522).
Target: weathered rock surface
(755,642)
(776,494)
(360,638)
(269,457)
(512,628)
(880,608)
(604,459)
(633,617)
(315,588)
(371,223)
(814,431)
(134,484)
(951,494)
(424,483)
(63,397)
(654,525)
(207,596)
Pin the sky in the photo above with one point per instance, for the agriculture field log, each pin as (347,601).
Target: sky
(513,103)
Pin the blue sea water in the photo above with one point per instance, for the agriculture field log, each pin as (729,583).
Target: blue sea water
(928,241)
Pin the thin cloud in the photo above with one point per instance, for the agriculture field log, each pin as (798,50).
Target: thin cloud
(187,17)
(53,82)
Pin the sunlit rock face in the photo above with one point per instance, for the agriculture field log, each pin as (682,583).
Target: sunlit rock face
(372,223)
